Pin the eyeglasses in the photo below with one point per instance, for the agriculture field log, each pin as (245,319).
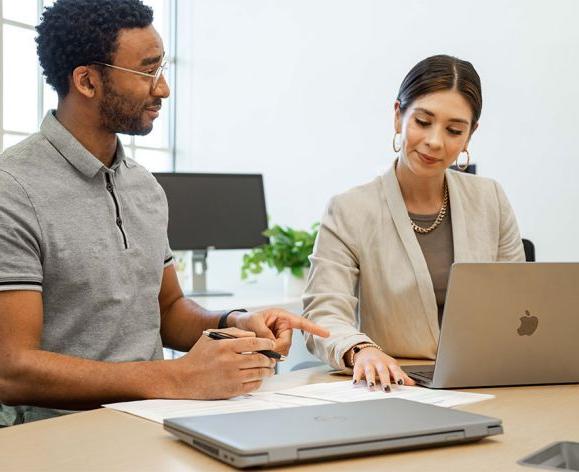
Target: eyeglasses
(156,76)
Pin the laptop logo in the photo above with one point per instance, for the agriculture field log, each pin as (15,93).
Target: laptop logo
(330,418)
(529,324)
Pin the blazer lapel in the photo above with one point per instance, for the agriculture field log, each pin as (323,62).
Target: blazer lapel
(401,220)
(457,217)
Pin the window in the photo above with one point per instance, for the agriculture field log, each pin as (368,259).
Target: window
(25,98)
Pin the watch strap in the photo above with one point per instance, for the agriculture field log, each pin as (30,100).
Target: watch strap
(223,318)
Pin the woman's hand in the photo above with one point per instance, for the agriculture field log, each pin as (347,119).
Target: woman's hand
(375,366)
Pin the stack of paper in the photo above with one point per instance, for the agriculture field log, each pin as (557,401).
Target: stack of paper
(346,392)
(314,394)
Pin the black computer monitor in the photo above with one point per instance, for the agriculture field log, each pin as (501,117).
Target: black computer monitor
(221,211)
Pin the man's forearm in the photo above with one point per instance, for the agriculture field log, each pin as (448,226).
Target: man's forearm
(57,381)
(184,322)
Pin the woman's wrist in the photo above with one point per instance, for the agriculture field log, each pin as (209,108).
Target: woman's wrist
(350,355)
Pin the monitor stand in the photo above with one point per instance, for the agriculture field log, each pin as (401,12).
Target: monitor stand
(199,277)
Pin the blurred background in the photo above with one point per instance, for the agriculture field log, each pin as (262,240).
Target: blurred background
(302,91)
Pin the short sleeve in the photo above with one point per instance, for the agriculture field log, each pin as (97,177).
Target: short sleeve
(168,254)
(20,238)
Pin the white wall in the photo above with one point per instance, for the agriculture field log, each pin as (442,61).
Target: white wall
(302,91)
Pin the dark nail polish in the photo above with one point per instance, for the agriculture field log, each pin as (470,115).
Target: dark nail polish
(400,382)
(371,384)
(355,382)
(387,388)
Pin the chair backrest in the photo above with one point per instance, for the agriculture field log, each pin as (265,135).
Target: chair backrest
(471,169)
(529,248)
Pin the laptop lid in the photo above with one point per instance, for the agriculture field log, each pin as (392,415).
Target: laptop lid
(509,324)
(323,431)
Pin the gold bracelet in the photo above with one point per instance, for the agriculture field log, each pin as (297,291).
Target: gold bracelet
(358,347)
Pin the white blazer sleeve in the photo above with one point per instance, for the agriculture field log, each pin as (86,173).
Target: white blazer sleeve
(330,298)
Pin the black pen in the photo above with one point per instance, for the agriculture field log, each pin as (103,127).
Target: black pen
(266,352)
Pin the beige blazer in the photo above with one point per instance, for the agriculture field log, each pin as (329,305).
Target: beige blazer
(369,280)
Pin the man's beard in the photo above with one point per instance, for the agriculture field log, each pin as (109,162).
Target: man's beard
(121,115)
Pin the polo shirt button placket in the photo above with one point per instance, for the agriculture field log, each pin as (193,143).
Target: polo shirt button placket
(118,221)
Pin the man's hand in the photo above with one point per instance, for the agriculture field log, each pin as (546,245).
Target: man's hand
(225,368)
(275,324)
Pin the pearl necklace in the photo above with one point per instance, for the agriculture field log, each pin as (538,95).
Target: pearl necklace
(439,218)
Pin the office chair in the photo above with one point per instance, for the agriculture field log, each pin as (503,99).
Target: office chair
(471,169)
(529,248)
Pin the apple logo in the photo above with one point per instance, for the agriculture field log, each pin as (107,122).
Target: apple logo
(528,324)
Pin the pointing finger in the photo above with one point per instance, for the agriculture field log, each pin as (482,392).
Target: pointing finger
(298,322)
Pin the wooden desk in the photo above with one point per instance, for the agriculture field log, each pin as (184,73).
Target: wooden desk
(106,440)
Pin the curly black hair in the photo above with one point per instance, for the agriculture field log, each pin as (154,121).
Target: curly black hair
(72,33)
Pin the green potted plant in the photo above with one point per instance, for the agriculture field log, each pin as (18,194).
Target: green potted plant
(288,251)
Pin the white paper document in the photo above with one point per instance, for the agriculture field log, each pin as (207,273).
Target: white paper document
(314,394)
(158,410)
(346,392)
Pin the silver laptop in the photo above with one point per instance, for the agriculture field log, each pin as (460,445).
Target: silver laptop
(288,435)
(507,324)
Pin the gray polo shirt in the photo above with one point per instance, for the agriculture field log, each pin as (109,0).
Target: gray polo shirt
(92,239)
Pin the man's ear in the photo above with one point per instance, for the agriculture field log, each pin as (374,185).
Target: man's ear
(84,79)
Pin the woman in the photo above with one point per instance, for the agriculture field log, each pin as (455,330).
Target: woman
(384,250)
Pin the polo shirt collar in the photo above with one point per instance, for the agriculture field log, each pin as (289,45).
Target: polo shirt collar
(73,151)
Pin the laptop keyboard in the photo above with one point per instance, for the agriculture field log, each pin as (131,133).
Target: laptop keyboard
(424,371)
(427,374)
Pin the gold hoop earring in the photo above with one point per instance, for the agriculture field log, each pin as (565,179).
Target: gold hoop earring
(394,143)
(465,166)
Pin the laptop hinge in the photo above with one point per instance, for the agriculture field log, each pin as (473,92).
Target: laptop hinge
(382,445)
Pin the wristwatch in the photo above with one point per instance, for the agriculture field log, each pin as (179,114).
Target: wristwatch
(357,348)
(223,318)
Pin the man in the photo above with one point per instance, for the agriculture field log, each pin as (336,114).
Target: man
(88,291)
